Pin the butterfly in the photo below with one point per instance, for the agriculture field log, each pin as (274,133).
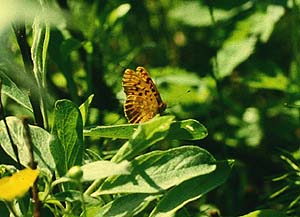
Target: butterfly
(143,100)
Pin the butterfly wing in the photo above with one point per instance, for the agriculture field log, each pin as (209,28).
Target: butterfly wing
(143,100)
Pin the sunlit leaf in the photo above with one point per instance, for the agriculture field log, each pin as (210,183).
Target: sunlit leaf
(263,81)
(233,53)
(118,13)
(157,171)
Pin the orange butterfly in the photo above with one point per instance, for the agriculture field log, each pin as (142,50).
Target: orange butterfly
(143,100)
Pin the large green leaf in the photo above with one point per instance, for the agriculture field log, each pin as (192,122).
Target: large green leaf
(68,151)
(191,190)
(183,130)
(42,141)
(159,170)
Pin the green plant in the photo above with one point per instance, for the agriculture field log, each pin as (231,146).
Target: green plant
(135,180)
(212,61)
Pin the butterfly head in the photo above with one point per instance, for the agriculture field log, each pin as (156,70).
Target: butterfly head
(162,107)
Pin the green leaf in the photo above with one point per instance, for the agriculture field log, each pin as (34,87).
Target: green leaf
(145,136)
(241,44)
(184,130)
(117,13)
(265,213)
(103,169)
(10,89)
(277,82)
(191,190)
(41,139)
(187,130)
(41,34)
(250,129)
(157,171)
(68,151)
(266,22)
(192,13)
(128,205)
(84,108)
(233,53)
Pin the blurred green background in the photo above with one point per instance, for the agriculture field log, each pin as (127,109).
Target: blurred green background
(232,65)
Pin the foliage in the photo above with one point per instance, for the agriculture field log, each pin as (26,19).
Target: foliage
(232,67)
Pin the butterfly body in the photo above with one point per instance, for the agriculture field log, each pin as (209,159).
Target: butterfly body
(143,100)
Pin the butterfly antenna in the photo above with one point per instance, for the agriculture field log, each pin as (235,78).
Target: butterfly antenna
(121,66)
(178,98)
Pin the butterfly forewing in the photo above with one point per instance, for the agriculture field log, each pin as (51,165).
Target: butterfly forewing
(143,100)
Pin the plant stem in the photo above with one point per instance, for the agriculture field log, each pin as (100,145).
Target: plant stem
(33,165)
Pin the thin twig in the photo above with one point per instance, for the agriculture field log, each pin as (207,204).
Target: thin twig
(33,165)
(216,70)
(34,96)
